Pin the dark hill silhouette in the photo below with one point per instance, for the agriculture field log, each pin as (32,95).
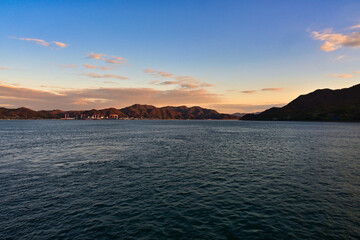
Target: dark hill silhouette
(135,111)
(19,113)
(320,105)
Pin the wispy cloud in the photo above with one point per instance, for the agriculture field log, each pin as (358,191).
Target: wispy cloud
(186,82)
(354,26)
(272,89)
(96,56)
(263,89)
(156,73)
(96,75)
(101,97)
(249,91)
(89,66)
(119,58)
(155,82)
(342,75)
(60,44)
(42,42)
(4,68)
(340,57)
(113,61)
(104,57)
(69,66)
(34,40)
(333,41)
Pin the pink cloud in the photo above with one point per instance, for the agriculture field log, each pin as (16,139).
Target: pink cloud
(42,42)
(4,68)
(89,66)
(96,75)
(34,40)
(96,56)
(111,60)
(118,58)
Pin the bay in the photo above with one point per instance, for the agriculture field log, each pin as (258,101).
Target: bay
(179,180)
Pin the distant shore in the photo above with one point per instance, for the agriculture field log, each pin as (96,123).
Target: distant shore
(134,112)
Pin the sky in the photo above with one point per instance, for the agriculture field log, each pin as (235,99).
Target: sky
(231,56)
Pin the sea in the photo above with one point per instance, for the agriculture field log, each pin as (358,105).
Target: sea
(179,179)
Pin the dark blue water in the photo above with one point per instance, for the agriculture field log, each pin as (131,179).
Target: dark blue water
(179,180)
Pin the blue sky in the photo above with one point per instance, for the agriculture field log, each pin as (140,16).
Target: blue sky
(229,55)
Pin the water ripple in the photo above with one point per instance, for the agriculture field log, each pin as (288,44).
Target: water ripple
(179,180)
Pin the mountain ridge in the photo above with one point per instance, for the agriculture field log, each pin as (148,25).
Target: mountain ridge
(319,105)
(136,111)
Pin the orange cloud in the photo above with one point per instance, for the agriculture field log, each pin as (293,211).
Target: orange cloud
(96,75)
(105,68)
(60,44)
(354,26)
(333,41)
(4,68)
(156,73)
(342,75)
(101,97)
(96,56)
(89,66)
(165,74)
(118,58)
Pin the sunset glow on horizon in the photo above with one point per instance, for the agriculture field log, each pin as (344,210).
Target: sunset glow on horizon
(231,56)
